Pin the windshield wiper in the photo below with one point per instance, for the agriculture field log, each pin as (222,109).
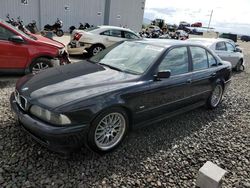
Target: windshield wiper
(111,67)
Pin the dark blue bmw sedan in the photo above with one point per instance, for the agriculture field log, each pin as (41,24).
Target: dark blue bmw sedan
(131,84)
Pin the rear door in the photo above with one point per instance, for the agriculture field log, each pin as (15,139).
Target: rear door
(112,36)
(204,67)
(12,55)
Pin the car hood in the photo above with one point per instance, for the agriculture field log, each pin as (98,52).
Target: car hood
(47,41)
(79,81)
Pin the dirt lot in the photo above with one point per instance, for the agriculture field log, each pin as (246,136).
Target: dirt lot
(168,154)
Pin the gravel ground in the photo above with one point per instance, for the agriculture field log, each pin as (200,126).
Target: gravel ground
(165,155)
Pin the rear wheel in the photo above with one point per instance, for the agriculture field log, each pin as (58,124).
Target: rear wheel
(216,96)
(40,64)
(95,49)
(59,33)
(108,130)
(239,66)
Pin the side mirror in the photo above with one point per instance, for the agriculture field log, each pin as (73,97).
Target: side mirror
(16,39)
(163,74)
(238,50)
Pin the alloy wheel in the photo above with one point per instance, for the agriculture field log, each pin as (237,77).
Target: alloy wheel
(96,50)
(39,66)
(110,131)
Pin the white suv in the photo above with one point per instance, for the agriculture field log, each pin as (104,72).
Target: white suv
(95,39)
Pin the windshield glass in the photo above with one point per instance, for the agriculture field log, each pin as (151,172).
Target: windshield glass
(132,57)
(26,34)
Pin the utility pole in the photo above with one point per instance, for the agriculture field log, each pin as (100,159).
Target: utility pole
(210,20)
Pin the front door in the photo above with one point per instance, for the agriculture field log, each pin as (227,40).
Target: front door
(233,56)
(168,94)
(12,55)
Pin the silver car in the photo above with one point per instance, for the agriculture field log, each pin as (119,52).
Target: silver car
(226,49)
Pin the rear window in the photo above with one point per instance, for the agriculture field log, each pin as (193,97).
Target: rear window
(92,28)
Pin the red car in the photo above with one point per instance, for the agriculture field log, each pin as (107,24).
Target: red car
(23,52)
(196,24)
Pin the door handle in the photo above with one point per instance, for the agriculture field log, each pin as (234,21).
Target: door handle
(189,81)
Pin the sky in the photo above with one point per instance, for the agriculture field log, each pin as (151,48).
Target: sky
(228,15)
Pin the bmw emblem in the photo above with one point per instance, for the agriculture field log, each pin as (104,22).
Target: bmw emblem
(25,89)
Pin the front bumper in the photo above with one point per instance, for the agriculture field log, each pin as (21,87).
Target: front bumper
(58,139)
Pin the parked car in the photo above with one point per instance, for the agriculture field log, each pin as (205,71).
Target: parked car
(182,35)
(226,49)
(28,53)
(153,28)
(229,36)
(245,38)
(196,24)
(95,39)
(128,85)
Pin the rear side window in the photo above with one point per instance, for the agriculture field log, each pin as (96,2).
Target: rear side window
(221,46)
(112,33)
(116,33)
(129,35)
(5,34)
(176,61)
(211,60)
(199,57)
(107,33)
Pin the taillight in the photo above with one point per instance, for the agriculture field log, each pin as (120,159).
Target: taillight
(77,36)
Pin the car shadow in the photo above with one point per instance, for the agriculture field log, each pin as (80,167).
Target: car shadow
(139,146)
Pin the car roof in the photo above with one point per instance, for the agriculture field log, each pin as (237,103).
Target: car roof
(210,40)
(114,27)
(166,43)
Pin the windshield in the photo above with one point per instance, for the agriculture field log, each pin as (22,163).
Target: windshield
(26,34)
(131,57)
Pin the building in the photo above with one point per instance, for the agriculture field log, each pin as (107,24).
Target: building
(126,13)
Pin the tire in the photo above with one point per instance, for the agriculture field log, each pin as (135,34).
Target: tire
(239,65)
(95,49)
(59,33)
(40,64)
(101,130)
(216,96)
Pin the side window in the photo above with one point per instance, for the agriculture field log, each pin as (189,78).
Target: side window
(199,57)
(5,34)
(107,33)
(221,46)
(129,35)
(230,47)
(115,33)
(176,61)
(211,60)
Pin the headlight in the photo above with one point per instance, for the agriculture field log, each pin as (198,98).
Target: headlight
(48,116)
(61,51)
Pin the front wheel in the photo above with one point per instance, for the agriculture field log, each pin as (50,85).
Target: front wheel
(239,66)
(59,33)
(108,130)
(39,65)
(216,96)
